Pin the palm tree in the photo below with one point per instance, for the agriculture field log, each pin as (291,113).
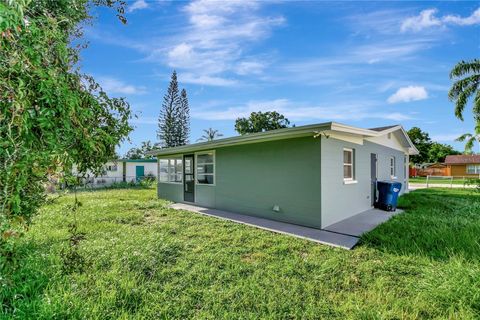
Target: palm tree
(470,139)
(210,135)
(467,75)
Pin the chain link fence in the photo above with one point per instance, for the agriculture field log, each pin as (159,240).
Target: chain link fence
(104,182)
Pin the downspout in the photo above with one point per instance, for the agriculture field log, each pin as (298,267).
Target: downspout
(124,171)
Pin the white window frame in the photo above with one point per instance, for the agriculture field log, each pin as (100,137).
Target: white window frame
(393,167)
(476,168)
(208,174)
(110,167)
(169,158)
(352,178)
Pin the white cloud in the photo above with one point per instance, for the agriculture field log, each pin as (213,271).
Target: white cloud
(425,19)
(137,5)
(389,50)
(215,40)
(474,18)
(302,112)
(112,85)
(407,94)
(206,80)
(428,19)
(354,64)
(384,22)
(249,67)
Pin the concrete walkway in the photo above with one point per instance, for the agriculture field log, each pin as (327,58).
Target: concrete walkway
(344,234)
(362,222)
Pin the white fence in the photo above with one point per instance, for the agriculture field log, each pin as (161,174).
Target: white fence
(450,181)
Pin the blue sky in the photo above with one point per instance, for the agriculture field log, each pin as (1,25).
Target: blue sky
(361,63)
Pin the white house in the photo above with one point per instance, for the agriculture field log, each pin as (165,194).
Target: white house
(125,170)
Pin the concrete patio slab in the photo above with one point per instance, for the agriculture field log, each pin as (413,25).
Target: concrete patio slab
(321,236)
(362,222)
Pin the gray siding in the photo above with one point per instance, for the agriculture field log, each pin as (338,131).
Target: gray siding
(205,195)
(340,200)
(251,179)
(303,176)
(170,191)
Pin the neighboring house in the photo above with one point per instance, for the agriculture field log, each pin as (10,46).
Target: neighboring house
(125,170)
(463,165)
(429,169)
(312,175)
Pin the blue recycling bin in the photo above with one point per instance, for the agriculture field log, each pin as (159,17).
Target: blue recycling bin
(388,195)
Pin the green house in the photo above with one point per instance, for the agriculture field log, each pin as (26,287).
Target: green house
(313,175)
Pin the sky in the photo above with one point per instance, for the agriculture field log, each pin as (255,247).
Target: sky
(364,64)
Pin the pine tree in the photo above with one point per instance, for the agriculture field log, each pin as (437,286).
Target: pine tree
(168,119)
(184,119)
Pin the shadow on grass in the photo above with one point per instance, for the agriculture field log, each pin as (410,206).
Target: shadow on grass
(437,223)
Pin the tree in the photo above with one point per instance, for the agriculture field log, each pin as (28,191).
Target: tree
(467,74)
(167,122)
(174,120)
(470,139)
(184,119)
(429,151)
(439,151)
(141,153)
(261,121)
(51,115)
(210,135)
(422,141)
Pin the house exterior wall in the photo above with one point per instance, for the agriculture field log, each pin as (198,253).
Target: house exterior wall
(460,170)
(302,176)
(252,178)
(113,174)
(340,200)
(150,168)
(170,191)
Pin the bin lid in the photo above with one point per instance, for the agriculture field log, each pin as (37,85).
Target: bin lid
(396,183)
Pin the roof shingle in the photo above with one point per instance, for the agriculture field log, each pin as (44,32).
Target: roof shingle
(463,159)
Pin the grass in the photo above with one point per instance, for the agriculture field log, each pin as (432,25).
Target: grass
(147,261)
(460,181)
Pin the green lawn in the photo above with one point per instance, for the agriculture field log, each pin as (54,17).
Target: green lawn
(145,261)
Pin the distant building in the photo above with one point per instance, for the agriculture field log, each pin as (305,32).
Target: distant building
(463,165)
(124,170)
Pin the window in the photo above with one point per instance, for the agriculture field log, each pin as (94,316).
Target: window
(393,171)
(111,167)
(473,169)
(348,164)
(206,168)
(170,170)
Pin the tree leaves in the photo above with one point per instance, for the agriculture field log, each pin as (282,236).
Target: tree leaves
(210,135)
(174,119)
(52,116)
(261,121)
(464,88)
(430,151)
